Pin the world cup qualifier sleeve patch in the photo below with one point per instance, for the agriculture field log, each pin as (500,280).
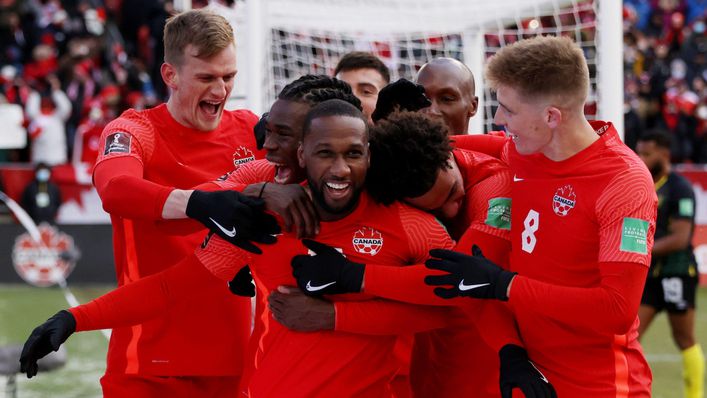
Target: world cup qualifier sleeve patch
(499,213)
(118,143)
(686,207)
(634,236)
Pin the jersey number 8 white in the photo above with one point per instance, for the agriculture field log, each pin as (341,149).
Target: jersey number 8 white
(531,225)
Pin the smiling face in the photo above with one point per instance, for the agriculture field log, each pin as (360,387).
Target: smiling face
(335,155)
(445,197)
(524,121)
(451,91)
(283,133)
(200,87)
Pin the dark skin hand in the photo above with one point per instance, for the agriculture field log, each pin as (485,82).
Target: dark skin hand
(301,313)
(292,203)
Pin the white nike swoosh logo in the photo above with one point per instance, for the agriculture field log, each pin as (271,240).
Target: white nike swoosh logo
(231,233)
(516,179)
(464,287)
(311,288)
(542,376)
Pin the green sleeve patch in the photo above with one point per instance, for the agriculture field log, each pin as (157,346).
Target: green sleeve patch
(686,207)
(634,236)
(499,213)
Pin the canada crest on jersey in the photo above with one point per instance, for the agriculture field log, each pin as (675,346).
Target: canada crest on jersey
(367,241)
(564,200)
(242,155)
(46,263)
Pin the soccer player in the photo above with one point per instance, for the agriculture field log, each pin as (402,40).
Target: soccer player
(672,278)
(582,226)
(335,154)
(412,160)
(449,84)
(144,156)
(366,74)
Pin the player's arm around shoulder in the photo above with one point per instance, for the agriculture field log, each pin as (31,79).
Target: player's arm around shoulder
(423,232)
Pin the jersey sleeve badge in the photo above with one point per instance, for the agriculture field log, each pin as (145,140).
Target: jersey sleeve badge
(118,142)
(634,236)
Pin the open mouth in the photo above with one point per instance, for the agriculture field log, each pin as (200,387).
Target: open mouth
(337,190)
(210,107)
(283,173)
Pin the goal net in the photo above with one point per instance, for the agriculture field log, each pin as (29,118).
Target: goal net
(294,37)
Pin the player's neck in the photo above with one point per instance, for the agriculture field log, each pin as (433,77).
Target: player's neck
(570,138)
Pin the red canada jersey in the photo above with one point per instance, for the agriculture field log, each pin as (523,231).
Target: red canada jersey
(487,200)
(327,364)
(214,323)
(251,173)
(596,207)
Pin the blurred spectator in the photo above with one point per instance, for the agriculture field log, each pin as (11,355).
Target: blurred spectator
(41,198)
(47,115)
(88,135)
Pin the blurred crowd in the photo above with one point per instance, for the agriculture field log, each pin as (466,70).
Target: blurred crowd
(68,67)
(665,52)
(71,66)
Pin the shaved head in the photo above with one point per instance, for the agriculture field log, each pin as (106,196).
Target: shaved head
(451,67)
(449,84)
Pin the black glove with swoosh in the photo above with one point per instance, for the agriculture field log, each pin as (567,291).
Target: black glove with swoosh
(44,339)
(403,95)
(468,276)
(327,271)
(235,217)
(517,371)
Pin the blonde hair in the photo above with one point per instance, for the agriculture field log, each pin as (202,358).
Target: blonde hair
(543,66)
(208,32)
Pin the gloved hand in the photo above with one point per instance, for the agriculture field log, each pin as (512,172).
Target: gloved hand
(259,130)
(235,217)
(517,371)
(472,276)
(327,271)
(242,283)
(44,339)
(402,95)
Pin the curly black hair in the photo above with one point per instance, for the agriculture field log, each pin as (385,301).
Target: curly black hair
(315,89)
(408,150)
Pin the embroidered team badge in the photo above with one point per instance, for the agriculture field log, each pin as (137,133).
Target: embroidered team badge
(118,143)
(47,263)
(564,200)
(242,155)
(367,241)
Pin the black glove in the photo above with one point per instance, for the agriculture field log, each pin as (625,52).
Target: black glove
(327,271)
(242,283)
(402,95)
(259,130)
(235,217)
(44,339)
(517,371)
(472,276)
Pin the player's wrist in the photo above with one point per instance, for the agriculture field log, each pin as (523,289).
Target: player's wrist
(504,280)
(175,206)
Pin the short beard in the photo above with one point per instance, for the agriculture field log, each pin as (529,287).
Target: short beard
(318,196)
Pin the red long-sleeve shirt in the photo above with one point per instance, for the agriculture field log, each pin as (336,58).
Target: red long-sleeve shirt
(143,156)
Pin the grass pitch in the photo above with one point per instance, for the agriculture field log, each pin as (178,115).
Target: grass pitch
(22,308)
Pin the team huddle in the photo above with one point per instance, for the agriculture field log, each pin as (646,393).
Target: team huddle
(389,253)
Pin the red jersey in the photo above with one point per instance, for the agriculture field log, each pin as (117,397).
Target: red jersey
(578,225)
(326,364)
(143,156)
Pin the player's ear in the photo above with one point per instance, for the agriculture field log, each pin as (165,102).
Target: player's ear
(169,75)
(473,107)
(300,155)
(553,117)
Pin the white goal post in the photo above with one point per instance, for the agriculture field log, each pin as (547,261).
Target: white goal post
(280,40)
